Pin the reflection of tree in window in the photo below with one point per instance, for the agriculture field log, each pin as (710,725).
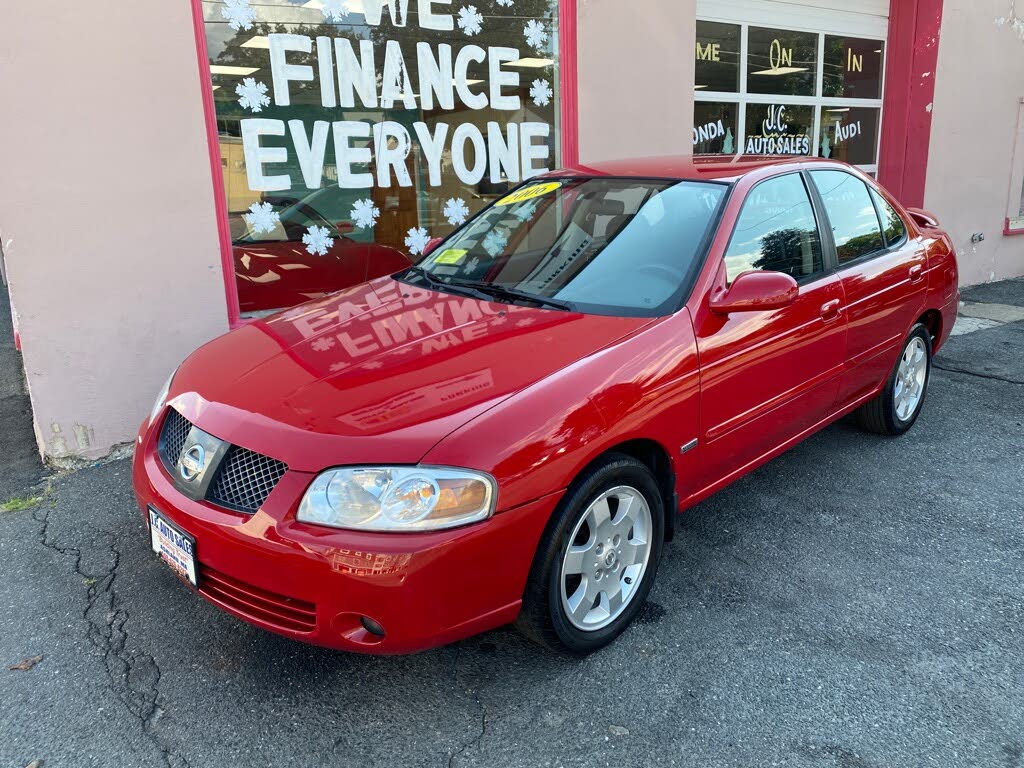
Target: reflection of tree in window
(791,251)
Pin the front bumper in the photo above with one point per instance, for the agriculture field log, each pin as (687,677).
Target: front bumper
(315,584)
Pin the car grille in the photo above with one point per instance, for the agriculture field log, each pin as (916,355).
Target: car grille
(244,478)
(255,603)
(172,439)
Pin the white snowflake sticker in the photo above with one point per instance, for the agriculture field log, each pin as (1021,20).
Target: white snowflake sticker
(334,10)
(536,34)
(525,212)
(262,218)
(318,240)
(364,213)
(470,20)
(541,93)
(472,264)
(238,14)
(456,211)
(252,95)
(496,241)
(417,240)
(505,3)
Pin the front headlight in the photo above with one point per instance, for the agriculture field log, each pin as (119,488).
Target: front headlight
(398,498)
(161,399)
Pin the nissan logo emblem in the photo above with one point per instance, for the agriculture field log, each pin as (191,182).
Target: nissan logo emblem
(192,462)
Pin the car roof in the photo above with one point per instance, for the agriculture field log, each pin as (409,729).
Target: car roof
(693,167)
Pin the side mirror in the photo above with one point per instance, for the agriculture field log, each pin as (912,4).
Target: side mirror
(756,292)
(434,242)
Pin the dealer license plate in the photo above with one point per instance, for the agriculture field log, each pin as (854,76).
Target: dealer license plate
(175,547)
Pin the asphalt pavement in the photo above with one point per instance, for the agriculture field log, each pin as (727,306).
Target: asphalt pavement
(857,602)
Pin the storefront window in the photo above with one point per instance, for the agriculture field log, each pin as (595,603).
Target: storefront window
(799,93)
(714,131)
(781,62)
(718,57)
(352,132)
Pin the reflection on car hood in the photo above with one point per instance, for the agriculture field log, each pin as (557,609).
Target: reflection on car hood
(379,372)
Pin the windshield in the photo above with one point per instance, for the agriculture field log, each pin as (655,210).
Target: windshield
(600,245)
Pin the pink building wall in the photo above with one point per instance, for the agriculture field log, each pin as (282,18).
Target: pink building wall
(972,166)
(106,212)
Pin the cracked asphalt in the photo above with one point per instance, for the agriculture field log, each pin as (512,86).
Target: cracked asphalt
(857,602)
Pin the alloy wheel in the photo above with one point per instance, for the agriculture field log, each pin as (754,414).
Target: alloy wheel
(911,376)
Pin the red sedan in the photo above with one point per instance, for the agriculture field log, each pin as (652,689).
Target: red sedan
(506,431)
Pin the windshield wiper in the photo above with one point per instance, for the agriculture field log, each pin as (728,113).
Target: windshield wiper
(435,282)
(501,291)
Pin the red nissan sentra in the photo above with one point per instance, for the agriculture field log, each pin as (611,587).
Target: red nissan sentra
(506,431)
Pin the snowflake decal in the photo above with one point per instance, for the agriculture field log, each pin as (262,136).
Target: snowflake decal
(334,10)
(364,214)
(416,240)
(456,211)
(252,95)
(262,218)
(496,241)
(470,20)
(238,14)
(505,3)
(472,264)
(318,240)
(536,34)
(322,344)
(541,93)
(525,212)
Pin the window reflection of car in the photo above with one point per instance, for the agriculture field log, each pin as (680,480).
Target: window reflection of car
(276,269)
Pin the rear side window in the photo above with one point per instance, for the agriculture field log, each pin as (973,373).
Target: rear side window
(893,227)
(852,214)
(776,231)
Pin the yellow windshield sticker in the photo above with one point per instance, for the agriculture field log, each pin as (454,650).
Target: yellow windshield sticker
(530,192)
(451,256)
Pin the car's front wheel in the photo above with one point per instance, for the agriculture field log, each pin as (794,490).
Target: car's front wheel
(598,558)
(897,407)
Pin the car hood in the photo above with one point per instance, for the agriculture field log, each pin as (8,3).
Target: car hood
(377,373)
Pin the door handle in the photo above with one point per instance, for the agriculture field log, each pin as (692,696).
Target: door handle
(830,310)
(916,273)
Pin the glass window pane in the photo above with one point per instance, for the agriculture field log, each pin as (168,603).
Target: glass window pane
(895,229)
(370,135)
(853,68)
(776,230)
(714,127)
(718,57)
(782,62)
(849,134)
(779,129)
(854,222)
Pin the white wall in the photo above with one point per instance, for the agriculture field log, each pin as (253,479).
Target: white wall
(635,78)
(106,211)
(979,83)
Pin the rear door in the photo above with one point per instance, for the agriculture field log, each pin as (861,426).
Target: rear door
(882,273)
(766,377)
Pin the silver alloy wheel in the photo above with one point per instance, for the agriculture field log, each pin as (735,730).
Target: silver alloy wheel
(910,379)
(606,558)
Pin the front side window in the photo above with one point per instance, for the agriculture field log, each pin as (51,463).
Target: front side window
(602,245)
(851,212)
(776,231)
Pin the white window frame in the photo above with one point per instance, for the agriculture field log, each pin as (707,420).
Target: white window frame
(819,102)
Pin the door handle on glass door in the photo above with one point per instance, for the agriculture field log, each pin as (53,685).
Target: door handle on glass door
(830,310)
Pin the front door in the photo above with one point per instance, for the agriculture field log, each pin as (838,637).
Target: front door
(766,377)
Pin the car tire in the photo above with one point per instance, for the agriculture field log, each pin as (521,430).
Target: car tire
(898,405)
(613,519)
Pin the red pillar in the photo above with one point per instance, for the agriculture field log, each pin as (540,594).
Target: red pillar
(913,53)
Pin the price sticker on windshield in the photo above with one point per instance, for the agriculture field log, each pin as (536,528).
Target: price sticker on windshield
(530,192)
(451,256)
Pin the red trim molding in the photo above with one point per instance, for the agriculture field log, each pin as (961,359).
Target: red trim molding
(568,83)
(220,201)
(913,53)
